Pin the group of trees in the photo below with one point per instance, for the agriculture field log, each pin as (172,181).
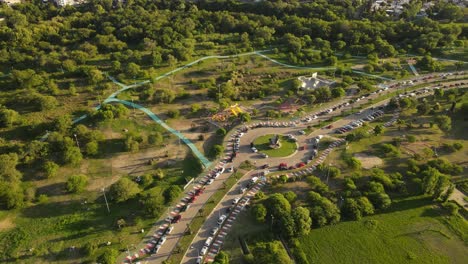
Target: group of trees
(277,210)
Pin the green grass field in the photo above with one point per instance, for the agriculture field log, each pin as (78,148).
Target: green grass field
(286,148)
(411,232)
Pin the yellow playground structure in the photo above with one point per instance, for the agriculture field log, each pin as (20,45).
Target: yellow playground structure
(233,110)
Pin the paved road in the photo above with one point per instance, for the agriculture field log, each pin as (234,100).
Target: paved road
(245,153)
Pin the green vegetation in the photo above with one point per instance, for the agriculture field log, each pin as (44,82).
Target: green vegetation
(411,230)
(286,148)
(56,65)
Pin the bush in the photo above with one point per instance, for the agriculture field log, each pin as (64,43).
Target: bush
(411,138)
(42,199)
(171,193)
(109,256)
(388,150)
(50,169)
(173,113)
(123,190)
(77,183)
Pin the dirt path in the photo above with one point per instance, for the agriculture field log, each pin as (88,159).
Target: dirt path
(458,197)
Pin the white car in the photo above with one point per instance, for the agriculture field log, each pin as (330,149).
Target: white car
(264,155)
(169,229)
(230,169)
(221,219)
(236,200)
(301,132)
(203,251)
(199,260)
(214,231)
(254,149)
(162,240)
(210,181)
(208,241)
(156,249)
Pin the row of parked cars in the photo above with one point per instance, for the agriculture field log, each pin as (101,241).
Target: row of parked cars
(359,122)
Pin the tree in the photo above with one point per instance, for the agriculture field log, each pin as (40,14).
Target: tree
(378,129)
(164,96)
(123,190)
(286,226)
(152,204)
(62,124)
(11,195)
(132,70)
(171,193)
(109,256)
(91,148)
(77,183)
(155,138)
(351,209)
(50,169)
(290,196)
(72,156)
(8,171)
(380,200)
(221,132)
(221,258)
(159,173)
(146,180)
(259,212)
(8,117)
(365,206)
(302,221)
(443,122)
(244,117)
(338,92)
(217,150)
(270,252)
(277,205)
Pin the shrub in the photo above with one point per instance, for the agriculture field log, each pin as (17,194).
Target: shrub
(388,150)
(50,169)
(77,183)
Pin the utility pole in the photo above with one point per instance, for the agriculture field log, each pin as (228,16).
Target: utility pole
(105,199)
(77,143)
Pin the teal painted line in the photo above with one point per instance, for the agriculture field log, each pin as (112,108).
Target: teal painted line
(156,119)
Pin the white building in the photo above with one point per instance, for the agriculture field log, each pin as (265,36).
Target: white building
(313,82)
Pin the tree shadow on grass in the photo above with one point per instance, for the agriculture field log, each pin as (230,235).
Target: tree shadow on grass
(52,209)
(408,204)
(55,189)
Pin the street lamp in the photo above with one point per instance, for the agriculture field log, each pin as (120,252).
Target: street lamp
(76,138)
(105,199)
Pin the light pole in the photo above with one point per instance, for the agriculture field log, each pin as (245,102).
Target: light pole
(105,199)
(129,256)
(76,139)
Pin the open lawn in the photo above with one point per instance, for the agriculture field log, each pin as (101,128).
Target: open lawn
(412,231)
(287,147)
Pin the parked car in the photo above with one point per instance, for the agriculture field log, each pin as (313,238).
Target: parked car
(301,132)
(236,200)
(156,249)
(162,240)
(210,181)
(184,207)
(169,229)
(214,231)
(176,219)
(203,250)
(264,155)
(208,241)
(254,149)
(221,219)
(199,260)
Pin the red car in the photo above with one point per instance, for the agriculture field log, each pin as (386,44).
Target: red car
(329,126)
(283,166)
(300,165)
(176,219)
(192,199)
